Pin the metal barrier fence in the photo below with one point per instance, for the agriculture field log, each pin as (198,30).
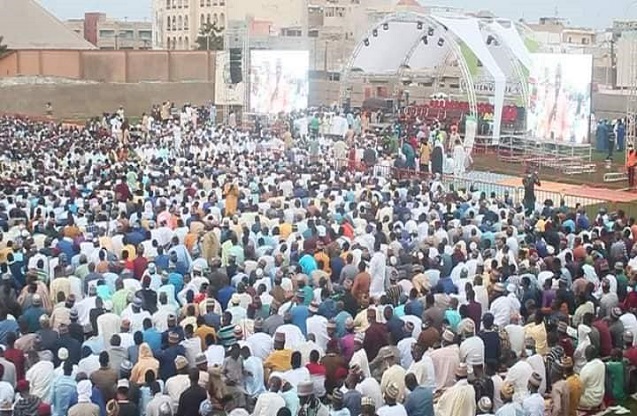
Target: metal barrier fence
(516,193)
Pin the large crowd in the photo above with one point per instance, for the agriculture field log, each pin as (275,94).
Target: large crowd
(184,267)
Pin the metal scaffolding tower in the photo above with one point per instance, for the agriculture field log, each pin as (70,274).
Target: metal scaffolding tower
(631,99)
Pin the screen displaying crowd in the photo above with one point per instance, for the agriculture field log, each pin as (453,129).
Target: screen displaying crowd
(184,267)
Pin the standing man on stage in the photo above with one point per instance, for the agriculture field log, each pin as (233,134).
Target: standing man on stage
(529,182)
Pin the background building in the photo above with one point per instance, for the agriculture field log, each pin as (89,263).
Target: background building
(112,34)
(177,23)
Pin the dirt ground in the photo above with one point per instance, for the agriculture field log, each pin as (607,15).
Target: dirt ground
(485,162)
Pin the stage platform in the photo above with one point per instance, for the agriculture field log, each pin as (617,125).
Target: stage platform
(538,154)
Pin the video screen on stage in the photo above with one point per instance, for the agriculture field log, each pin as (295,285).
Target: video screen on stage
(559,105)
(278,81)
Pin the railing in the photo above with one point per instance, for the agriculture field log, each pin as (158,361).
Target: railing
(516,193)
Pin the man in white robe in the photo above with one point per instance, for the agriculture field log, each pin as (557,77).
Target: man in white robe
(460,399)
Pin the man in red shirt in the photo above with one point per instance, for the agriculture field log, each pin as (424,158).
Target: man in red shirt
(15,356)
(605,340)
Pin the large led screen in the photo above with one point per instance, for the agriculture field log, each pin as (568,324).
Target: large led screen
(559,105)
(278,81)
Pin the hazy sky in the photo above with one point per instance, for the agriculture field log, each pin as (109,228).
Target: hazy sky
(591,13)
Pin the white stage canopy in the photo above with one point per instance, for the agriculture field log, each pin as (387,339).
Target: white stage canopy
(424,41)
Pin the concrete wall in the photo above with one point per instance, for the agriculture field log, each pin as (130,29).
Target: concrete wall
(81,101)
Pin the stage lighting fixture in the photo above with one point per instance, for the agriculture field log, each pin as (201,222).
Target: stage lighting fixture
(375,32)
(419,25)
(425,40)
(441,42)
(431,31)
(366,42)
(385,26)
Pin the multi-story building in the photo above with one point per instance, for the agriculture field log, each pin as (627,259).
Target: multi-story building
(177,23)
(108,33)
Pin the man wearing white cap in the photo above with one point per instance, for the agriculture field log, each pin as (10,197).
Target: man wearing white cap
(108,324)
(317,325)
(534,404)
(359,358)
(270,402)
(446,359)
(392,406)
(310,405)
(459,399)
(472,345)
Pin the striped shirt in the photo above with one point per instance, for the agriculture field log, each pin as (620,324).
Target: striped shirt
(226,336)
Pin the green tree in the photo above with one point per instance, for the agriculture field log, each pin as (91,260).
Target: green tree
(210,38)
(3,48)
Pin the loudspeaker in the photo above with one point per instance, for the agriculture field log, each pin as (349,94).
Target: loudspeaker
(236,65)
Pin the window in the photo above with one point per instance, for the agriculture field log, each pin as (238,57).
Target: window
(186,22)
(186,3)
(168,26)
(222,20)
(106,33)
(202,19)
(174,4)
(222,2)
(570,40)
(180,3)
(313,33)
(208,3)
(174,23)
(215,3)
(584,41)
(180,44)
(329,12)
(215,19)
(174,43)
(127,34)
(168,4)
(180,23)
(201,3)
(145,34)
(208,18)
(186,43)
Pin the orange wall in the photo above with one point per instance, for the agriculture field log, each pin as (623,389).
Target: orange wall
(148,66)
(104,66)
(112,66)
(9,65)
(190,66)
(64,64)
(29,63)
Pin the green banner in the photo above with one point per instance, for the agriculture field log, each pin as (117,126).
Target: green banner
(531,44)
(470,58)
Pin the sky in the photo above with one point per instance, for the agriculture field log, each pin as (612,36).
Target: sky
(589,13)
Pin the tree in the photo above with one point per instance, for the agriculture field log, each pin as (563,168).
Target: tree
(3,48)
(210,38)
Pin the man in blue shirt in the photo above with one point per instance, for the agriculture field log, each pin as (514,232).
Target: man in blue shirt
(151,336)
(300,313)
(63,390)
(420,401)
